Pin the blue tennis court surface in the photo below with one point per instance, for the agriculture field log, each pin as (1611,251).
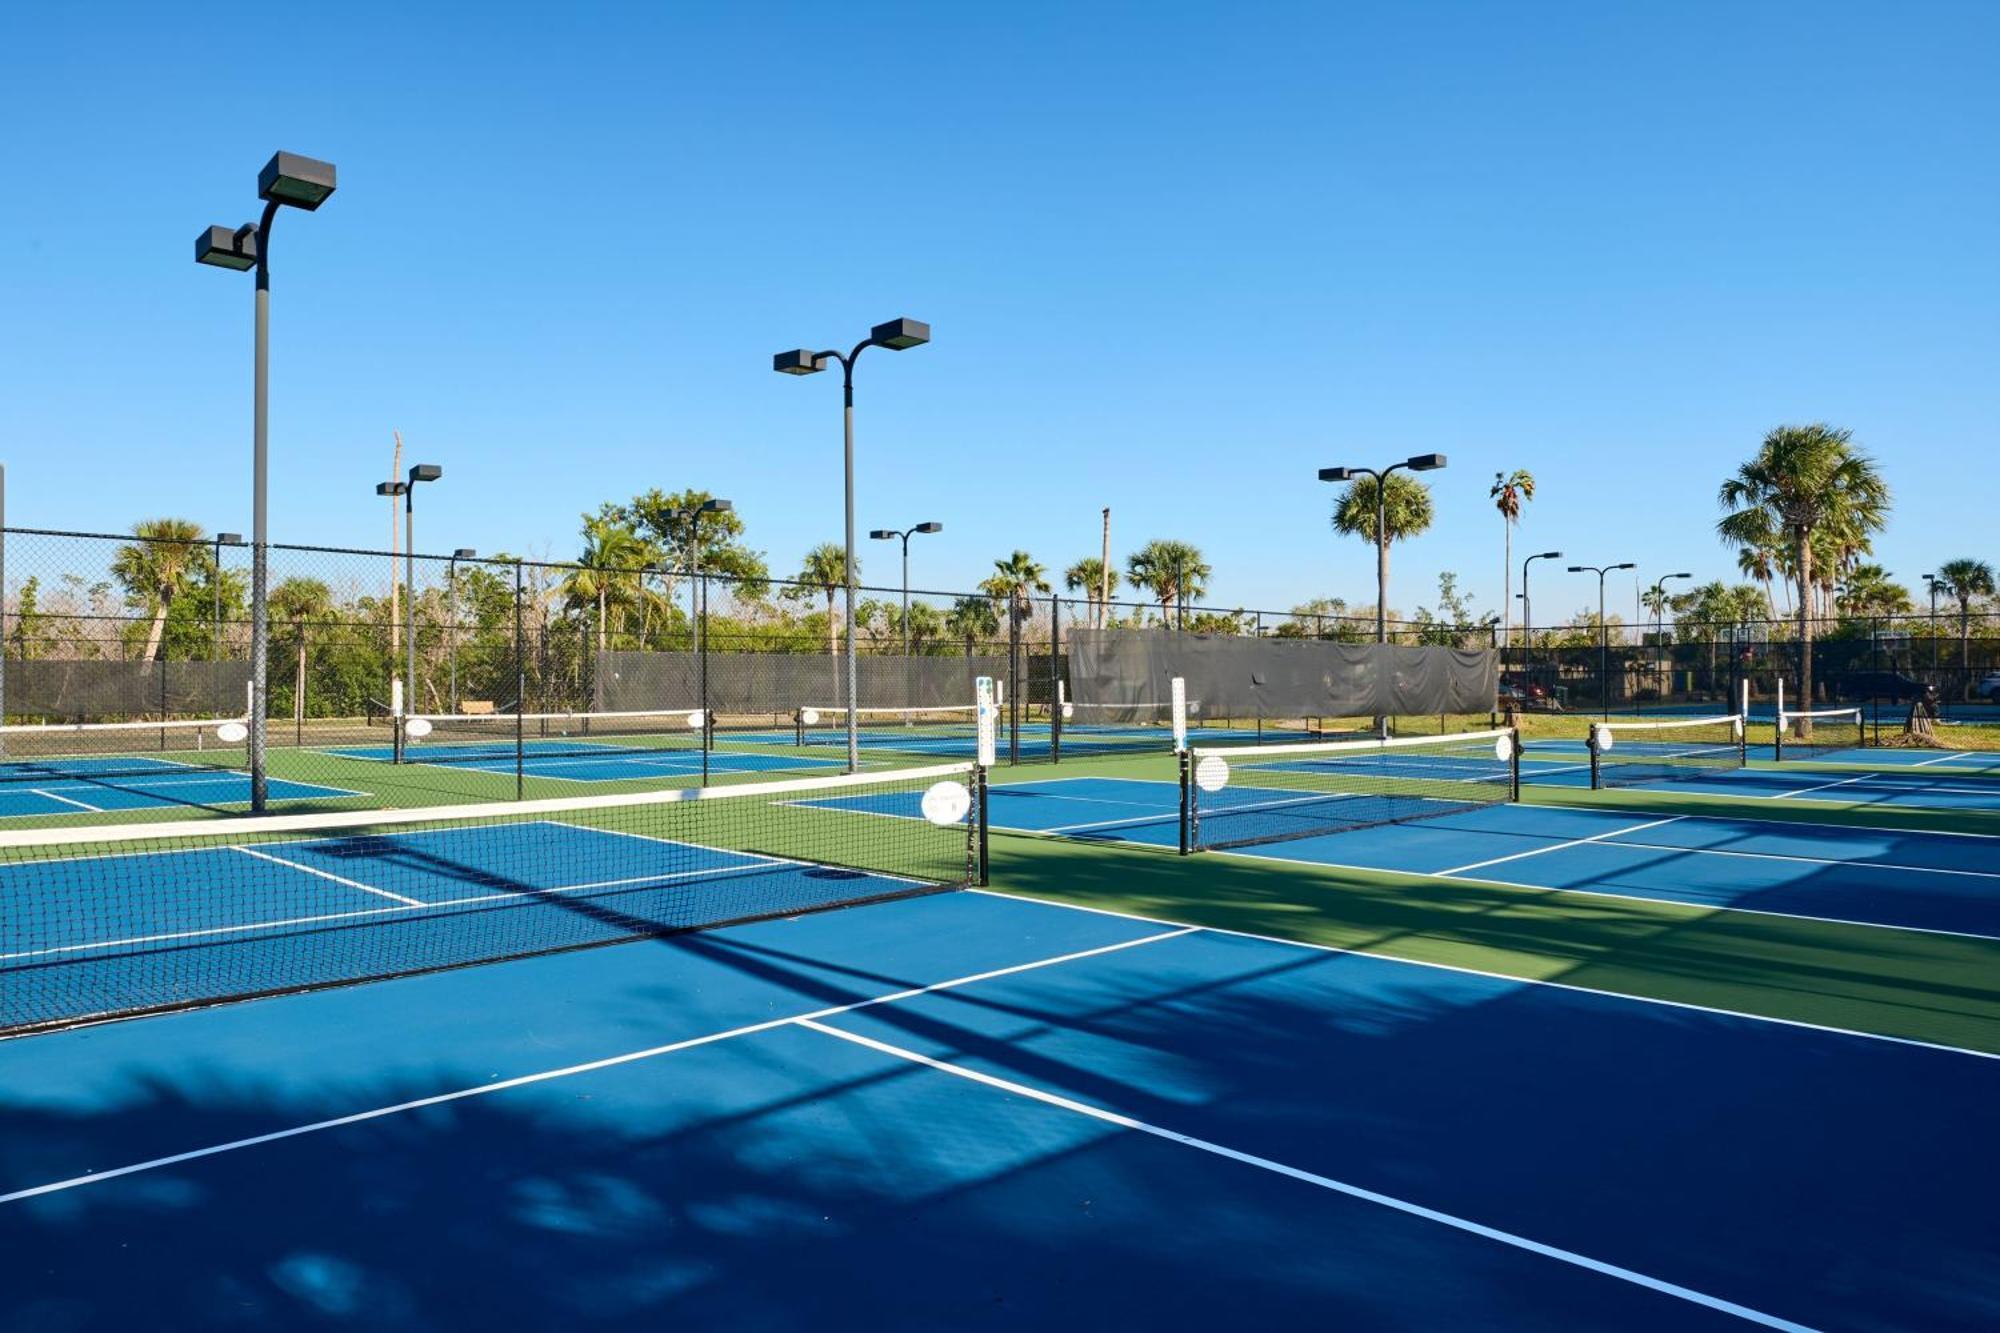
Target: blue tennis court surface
(584,760)
(971,1111)
(1566,764)
(1923,881)
(95,785)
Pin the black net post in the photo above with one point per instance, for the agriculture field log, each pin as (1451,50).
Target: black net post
(982,863)
(1596,767)
(520,685)
(1186,758)
(1014,682)
(1055,680)
(701,671)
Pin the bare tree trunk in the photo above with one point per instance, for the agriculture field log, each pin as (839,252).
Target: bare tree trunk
(157,631)
(299,683)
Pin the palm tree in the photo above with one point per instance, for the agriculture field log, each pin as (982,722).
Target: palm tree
(1014,582)
(613,557)
(1759,563)
(1407,512)
(1868,590)
(1090,576)
(972,619)
(1174,571)
(824,570)
(169,557)
(1963,580)
(1509,492)
(298,605)
(1803,480)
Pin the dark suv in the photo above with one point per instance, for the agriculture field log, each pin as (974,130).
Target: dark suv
(1890,685)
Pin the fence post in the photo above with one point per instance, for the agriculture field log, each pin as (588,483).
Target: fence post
(701,669)
(1055,680)
(520,687)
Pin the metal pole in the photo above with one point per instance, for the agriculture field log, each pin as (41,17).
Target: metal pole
(1527,628)
(1381,557)
(410,598)
(260,530)
(847,611)
(451,623)
(215,577)
(701,662)
(521,689)
(1603,650)
(3,603)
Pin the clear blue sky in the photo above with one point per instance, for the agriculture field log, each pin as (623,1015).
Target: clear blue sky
(1176,258)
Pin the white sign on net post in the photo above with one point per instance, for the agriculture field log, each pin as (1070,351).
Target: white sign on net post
(1177,692)
(988,719)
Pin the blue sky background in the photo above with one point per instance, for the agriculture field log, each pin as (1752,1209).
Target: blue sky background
(1176,258)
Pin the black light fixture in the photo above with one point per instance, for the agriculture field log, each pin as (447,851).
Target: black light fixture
(1414,463)
(301,182)
(1603,630)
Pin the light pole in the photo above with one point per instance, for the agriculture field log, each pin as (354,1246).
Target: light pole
(892,534)
(897,335)
(1660,624)
(692,517)
(222,539)
(451,612)
(1603,630)
(1420,463)
(420,472)
(296,182)
(1528,625)
(1931,582)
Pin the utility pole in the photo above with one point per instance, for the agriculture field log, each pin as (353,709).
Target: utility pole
(1104,575)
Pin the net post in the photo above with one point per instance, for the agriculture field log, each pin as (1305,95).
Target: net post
(1514,767)
(1055,680)
(982,853)
(701,668)
(1596,769)
(520,685)
(1187,835)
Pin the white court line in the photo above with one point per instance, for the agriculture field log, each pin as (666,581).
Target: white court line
(58,796)
(1559,846)
(1941,759)
(1807,791)
(1811,860)
(590,1066)
(329,875)
(1352,1191)
(1461,969)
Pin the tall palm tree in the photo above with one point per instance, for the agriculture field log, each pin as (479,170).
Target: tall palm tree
(297,606)
(1014,582)
(1965,579)
(824,570)
(1175,572)
(1802,480)
(610,566)
(972,619)
(1869,590)
(1407,511)
(1759,563)
(1088,575)
(1509,492)
(169,557)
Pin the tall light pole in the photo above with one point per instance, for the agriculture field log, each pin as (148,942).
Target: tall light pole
(1660,622)
(420,472)
(897,335)
(1528,625)
(222,539)
(692,517)
(287,180)
(451,612)
(1603,630)
(904,534)
(1420,463)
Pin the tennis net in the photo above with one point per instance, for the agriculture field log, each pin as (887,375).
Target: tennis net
(1243,795)
(87,751)
(949,730)
(112,920)
(478,737)
(1628,754)
(1817,733)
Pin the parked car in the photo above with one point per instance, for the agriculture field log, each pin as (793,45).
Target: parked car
(1989,687)
(1526,695)
(1893,686)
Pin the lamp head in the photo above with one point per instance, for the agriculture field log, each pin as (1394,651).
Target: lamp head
(930,527)
(1336,474)
(299,182)
(799,362)
(716,507)
(391,487)
(425,472)
(1578,569)
(1627,565)
(219,247)
(465,553)
(899,335)
(228,539)
(883,535)
(1425,463)
(1550,555)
